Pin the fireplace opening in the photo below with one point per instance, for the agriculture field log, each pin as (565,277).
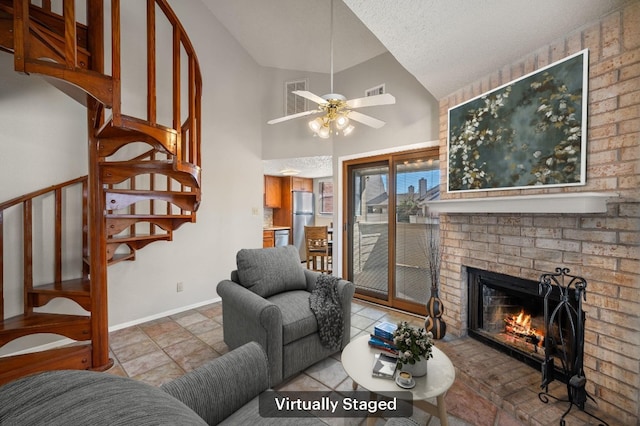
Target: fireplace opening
(507,313)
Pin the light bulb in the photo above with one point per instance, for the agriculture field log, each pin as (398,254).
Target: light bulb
(316,124)
(324,132)
(348,130)
(342,122)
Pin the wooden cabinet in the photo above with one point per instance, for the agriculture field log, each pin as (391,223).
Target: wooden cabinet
(283,216)
(272,191)
(301,184)
(268,239)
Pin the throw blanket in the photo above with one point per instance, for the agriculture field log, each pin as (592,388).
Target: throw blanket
(324,302)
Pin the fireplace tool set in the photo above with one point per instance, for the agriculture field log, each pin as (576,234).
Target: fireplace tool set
(564,338)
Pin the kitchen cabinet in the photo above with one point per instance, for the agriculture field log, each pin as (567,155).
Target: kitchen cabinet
(276,236)
(268,238)
(272,192)
(301,184)
(283,216)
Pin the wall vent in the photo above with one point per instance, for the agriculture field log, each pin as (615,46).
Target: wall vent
(378,90)
(294,104)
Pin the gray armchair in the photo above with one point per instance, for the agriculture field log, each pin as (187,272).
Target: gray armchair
(267,301)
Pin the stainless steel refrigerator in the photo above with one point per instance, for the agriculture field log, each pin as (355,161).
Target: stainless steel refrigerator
(303,215)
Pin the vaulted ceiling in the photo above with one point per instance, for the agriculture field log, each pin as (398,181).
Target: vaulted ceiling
(445,44)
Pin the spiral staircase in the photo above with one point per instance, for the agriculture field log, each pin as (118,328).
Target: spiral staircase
(143,177)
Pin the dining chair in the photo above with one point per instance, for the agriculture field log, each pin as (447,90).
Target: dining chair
(318,248)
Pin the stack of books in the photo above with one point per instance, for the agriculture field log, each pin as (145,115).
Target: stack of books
(382,337)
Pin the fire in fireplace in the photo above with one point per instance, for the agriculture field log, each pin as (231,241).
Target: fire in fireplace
(507,313)
(520,327)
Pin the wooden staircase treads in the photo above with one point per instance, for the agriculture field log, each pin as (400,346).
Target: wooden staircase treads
(96,84)
(134,242)
(117,199)
(117,223)
(76,327)
(77,290)
(117,258)
(114,136)
(114,172)
(76,357)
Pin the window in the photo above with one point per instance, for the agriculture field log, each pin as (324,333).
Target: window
(326,197)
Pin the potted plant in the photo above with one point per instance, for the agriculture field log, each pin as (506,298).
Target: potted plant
(414,348)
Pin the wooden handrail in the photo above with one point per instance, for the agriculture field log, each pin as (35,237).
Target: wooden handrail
(27,234)
(22,198)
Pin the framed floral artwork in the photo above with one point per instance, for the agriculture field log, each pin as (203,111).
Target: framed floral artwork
(530,132)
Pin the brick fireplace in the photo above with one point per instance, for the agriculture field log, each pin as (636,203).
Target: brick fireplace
(507,313)
(601,246)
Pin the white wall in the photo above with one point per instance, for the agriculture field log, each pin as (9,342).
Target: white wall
(41,129)
(413,118)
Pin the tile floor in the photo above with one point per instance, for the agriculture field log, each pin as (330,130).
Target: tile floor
(491,389)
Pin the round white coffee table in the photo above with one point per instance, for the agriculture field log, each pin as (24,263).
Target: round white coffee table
(357,360)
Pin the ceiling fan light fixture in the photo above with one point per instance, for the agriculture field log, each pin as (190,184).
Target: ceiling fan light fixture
(342,122)
(347,131)
(338,112)
(316,124)
(324,132)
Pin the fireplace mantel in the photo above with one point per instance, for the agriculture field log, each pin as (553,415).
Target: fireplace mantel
(574,202)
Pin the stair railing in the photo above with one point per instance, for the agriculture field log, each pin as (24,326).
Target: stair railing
(59,192)
(71,66)
(186,155)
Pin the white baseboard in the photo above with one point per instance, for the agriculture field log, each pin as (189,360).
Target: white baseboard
(66,341)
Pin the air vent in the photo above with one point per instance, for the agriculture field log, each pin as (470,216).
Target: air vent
(294,104)
(378,90)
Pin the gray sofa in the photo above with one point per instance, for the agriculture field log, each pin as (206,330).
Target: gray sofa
(267,301)
(223,391)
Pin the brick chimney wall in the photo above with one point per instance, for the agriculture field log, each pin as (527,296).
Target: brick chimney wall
(604,247)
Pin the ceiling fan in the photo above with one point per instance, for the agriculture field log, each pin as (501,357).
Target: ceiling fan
(336,109)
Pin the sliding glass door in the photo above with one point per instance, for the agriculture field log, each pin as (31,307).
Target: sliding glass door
(369,229)
(388,226)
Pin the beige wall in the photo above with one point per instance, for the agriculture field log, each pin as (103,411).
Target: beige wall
(603,248)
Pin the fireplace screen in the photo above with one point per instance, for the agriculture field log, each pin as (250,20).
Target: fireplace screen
(508,313)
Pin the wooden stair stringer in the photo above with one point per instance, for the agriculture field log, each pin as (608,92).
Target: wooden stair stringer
(117,223)
(76,357)
(117,199)
(76,327)
(134,242)
(122,130)
(114,172)
(77,290)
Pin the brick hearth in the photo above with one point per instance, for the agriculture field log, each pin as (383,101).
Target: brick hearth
(511,385)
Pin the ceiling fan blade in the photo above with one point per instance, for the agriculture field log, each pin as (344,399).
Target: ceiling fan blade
(365,119)
(384,99)
(311,96)
(292,116)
